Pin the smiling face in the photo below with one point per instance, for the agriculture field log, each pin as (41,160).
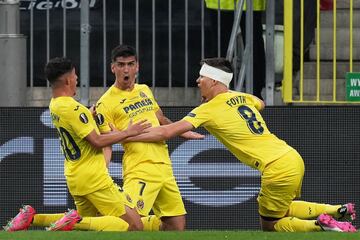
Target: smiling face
(125,70)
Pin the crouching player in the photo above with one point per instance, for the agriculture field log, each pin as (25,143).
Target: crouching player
(234,119)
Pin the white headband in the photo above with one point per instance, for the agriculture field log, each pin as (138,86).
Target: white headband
(216,74)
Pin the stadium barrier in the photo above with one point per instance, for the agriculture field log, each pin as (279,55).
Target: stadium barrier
(323,75)
(219,192)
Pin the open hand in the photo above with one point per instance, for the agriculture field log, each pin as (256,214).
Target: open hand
(192,135)
(137,128)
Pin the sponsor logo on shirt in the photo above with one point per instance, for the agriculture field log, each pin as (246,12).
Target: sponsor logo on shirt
(128,198)
(137,105)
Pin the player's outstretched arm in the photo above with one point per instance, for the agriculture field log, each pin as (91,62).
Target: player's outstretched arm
(163,120)
(163,132)
(115,136)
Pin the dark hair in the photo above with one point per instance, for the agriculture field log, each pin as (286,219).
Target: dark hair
(123,51)
(220,63)
(57,67)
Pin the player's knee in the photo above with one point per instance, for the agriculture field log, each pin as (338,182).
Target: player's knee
(173,223)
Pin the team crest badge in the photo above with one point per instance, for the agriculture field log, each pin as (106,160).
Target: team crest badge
(140,204)
(83,118)
(143,95)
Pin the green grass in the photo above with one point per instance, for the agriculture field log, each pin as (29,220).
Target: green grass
(187,235)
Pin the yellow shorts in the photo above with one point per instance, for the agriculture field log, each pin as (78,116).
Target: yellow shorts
(153,186)
(109,201)
(280,183)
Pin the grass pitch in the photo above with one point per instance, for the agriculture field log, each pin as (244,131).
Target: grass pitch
(187,235)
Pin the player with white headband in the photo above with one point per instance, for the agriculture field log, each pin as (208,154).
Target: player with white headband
(216,74)
(234,119)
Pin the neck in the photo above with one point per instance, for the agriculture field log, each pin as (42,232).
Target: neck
(218,89)
(58,92)
(124,87)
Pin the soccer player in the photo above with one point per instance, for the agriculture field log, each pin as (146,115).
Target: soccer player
(234,119)
(147,170)
(87,177)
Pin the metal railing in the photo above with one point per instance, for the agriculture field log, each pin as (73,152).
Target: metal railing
(243,62)
(103,24)
(314,90)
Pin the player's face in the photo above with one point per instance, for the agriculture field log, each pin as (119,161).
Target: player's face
(205,84)
(125,70)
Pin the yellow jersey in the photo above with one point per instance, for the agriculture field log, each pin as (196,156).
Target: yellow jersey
(233,118)
(84,168)
(118,107)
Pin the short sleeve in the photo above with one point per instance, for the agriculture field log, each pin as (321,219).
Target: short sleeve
(103,117)
(81,123)
(198,116)
(253,101)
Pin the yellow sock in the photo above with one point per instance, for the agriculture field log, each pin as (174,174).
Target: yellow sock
(293,224)
(105,223)
(44,220)
(151,223)
(310,210)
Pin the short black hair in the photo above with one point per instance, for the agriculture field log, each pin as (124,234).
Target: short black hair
(57,67)
(219,62)
(123,51)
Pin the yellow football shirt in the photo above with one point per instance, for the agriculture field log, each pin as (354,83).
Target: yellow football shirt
(233,118)
(85,169)
(118,107)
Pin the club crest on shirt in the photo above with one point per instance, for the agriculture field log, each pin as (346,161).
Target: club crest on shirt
(83,118)
(140,204)
(142,94)
(99,119)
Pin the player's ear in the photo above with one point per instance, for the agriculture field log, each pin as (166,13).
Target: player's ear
(65,79)
(113,68)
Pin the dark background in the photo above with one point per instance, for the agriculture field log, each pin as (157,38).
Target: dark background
(326,137)
(129,37)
